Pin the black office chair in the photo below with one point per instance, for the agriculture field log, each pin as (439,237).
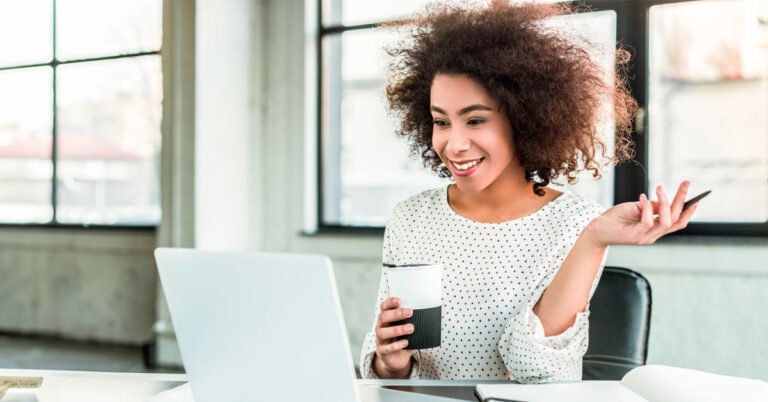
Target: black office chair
(619,320)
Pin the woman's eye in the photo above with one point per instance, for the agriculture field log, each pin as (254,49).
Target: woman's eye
(474,122)
(440,122)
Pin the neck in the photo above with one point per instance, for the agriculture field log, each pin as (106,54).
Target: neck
(508,191)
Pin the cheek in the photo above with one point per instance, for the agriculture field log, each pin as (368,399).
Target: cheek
(438,144)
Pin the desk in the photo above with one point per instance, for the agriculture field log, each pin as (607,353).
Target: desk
(420,390)
(87,386)
(90,386)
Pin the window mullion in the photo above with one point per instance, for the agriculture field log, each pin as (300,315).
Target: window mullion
(54,66)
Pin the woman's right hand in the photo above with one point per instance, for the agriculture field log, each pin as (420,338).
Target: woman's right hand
(389,350)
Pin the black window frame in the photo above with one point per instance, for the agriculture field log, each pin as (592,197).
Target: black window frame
(54,63)
(630,178)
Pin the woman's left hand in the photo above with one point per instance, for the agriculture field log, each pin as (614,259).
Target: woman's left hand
(634,222)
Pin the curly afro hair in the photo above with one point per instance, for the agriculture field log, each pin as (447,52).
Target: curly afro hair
(553,92)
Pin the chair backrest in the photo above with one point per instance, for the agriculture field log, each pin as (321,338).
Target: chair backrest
(619,320)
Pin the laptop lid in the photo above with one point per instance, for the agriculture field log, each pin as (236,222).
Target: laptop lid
(258,326)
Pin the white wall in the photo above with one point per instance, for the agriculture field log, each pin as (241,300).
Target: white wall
(708,294)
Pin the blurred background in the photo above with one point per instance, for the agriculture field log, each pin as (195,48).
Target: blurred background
(261,125)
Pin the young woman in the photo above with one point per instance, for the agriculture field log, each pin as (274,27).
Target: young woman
(504,106)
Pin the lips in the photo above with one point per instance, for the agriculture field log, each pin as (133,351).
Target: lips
(466,167)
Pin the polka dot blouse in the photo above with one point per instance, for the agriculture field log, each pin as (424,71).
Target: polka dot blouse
(494,273)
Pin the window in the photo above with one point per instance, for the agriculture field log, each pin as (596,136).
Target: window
(701,77)
(80,107)
(364,169)
(699,73)
(707,103)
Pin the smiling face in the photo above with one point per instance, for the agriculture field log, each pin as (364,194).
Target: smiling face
(470,134)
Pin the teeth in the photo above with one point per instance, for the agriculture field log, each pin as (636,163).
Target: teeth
(467,165)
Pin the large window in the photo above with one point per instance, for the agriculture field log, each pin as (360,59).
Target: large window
(80,107)
(365,169)
(708,104)
(699,72)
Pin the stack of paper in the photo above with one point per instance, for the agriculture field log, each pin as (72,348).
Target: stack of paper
(653,383)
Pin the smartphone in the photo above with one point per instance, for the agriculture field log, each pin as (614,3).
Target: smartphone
(695,199)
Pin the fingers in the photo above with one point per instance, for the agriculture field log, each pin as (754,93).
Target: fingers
(679,201)
(389,303)
(671,217)
(388,316)
(384,334)
(646,212)
(685,217)
(384,349)
(665,219)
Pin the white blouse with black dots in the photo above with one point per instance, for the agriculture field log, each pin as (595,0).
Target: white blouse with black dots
(494,273)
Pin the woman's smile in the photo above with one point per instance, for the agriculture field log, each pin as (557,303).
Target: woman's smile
(466,167)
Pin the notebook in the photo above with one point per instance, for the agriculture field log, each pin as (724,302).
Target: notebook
(652,383)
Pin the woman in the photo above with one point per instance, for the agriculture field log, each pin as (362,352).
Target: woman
(491,98)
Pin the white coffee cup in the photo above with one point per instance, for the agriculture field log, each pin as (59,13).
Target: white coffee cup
(419,287)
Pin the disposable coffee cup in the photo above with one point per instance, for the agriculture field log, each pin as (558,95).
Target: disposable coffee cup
(419,287)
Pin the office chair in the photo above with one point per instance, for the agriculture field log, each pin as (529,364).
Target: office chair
(619,320)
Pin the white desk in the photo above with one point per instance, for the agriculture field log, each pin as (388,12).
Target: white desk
(85,386)
(89,386)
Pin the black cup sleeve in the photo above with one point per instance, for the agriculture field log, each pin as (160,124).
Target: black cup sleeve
(426,328)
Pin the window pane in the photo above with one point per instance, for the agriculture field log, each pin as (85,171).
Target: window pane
(708,105)
(356,191)
(353,12)
(92,28)
(26,99)
(109,141)
(596,32)
(31,20)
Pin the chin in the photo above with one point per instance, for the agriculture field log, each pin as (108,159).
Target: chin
(469,188)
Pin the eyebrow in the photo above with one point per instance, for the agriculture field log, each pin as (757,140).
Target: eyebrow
(465,110)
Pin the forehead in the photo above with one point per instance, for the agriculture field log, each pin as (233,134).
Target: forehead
(458,90)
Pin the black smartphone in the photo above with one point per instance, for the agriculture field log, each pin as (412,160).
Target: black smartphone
(695,199)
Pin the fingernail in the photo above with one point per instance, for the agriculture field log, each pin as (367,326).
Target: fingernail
(409,327)
(404,342)
(397,301)
(643,197)
(661,189)
(408,313)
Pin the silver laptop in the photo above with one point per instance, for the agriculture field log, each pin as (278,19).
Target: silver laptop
(258,326)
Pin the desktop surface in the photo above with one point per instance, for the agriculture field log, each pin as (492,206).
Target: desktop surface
(463,393)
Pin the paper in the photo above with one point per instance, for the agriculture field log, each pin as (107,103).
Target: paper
(584,391)
(654,383)
(660,383)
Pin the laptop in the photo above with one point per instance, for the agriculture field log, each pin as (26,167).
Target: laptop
(258,326)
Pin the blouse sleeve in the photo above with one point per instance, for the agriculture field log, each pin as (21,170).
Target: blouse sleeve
(530,355)
(389,255)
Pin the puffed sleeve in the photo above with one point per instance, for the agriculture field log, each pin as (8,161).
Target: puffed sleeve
(389,255)
(532,357)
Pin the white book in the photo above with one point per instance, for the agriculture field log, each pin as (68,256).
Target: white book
(651,383)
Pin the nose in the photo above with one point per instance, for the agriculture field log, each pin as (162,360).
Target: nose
(458,142)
